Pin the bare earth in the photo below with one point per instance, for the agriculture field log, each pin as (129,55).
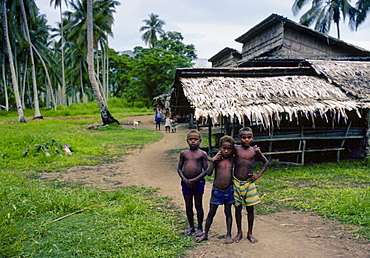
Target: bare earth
(282,234)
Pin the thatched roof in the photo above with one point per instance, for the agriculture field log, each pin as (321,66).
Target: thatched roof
(263,94)
(352,77)
(264,99)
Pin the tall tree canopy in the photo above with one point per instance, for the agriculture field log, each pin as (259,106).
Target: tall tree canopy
(363,7)
(152,70)
(152,27)
(40,63)
(324,12)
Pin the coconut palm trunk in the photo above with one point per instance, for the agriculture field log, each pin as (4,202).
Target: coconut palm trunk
(5,87)
(12,68)
(107,118)
(64,98)
(37,114)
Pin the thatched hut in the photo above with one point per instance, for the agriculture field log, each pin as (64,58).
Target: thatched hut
(305,94)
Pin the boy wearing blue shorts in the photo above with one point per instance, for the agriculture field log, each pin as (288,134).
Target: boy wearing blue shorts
(192,168)
(222,191)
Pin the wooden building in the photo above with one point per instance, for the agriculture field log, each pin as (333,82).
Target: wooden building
(305,94)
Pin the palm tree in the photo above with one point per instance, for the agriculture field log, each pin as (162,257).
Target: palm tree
(3,72)
(12,67)
(103,19)
(37,113)
(59,3)
(363,7)
(324,12)
(105,115)
(153,27)
(76,28)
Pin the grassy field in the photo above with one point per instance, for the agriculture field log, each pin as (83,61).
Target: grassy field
(340,191)
(132,222)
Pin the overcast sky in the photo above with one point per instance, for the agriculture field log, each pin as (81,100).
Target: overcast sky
(210,25)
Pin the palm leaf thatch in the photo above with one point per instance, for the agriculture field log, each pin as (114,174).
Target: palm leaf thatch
(264,99)
(353,77)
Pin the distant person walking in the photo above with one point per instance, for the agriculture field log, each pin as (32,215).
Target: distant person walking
(157,117)
(167,124)
(174,123)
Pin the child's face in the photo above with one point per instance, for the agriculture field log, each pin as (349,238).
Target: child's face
(193,141)
(226,149)
(246,138)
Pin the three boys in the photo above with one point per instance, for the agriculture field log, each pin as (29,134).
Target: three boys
(244,190)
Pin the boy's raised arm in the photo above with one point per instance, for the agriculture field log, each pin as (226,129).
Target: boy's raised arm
(264,160)
(210,168)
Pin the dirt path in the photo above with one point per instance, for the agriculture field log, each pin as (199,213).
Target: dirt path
(283,234)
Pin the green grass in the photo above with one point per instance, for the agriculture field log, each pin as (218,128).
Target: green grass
(89,146)
(116,106)
(340,191)
(133,222)
(130,222)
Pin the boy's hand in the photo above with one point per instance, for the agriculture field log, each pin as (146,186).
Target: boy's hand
(190,183)
(253,177)
(217,157)
(256,148)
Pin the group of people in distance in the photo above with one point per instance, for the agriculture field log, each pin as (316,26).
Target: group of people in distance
(170,122)
(233,182)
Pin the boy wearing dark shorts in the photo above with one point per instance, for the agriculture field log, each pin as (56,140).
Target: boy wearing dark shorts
(192,168)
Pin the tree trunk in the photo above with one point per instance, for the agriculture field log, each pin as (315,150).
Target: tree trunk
(63,95)
(12,68)
(37,114)
(107,118)
(47,76)
(338,31)
(5,86)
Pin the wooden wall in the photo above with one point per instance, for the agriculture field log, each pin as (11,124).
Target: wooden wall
(226,61)
(269,39)
(284,42)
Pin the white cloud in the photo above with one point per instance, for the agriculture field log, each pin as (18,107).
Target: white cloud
(210,25)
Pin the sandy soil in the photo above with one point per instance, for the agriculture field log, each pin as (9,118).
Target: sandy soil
(283,234)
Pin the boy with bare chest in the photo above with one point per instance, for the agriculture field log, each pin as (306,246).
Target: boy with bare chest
(192,168)
(245,191)
(222,191)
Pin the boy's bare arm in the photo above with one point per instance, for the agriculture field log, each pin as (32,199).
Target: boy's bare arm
(179,168)
(210,168)
(265,162)
(211,164)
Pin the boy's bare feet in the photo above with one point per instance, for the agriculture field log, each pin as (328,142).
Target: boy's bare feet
(229,240)
(237,238)
(202,238)
(198,233)
(252,239)
(189,231)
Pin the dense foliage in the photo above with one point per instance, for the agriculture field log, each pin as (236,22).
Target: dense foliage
(151,71)
(46,67)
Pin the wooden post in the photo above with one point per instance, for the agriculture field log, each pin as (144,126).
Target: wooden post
(300,143)
(367,137)
(209,135)
(342,144)
(191,121)
(303,151)
(271,135)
